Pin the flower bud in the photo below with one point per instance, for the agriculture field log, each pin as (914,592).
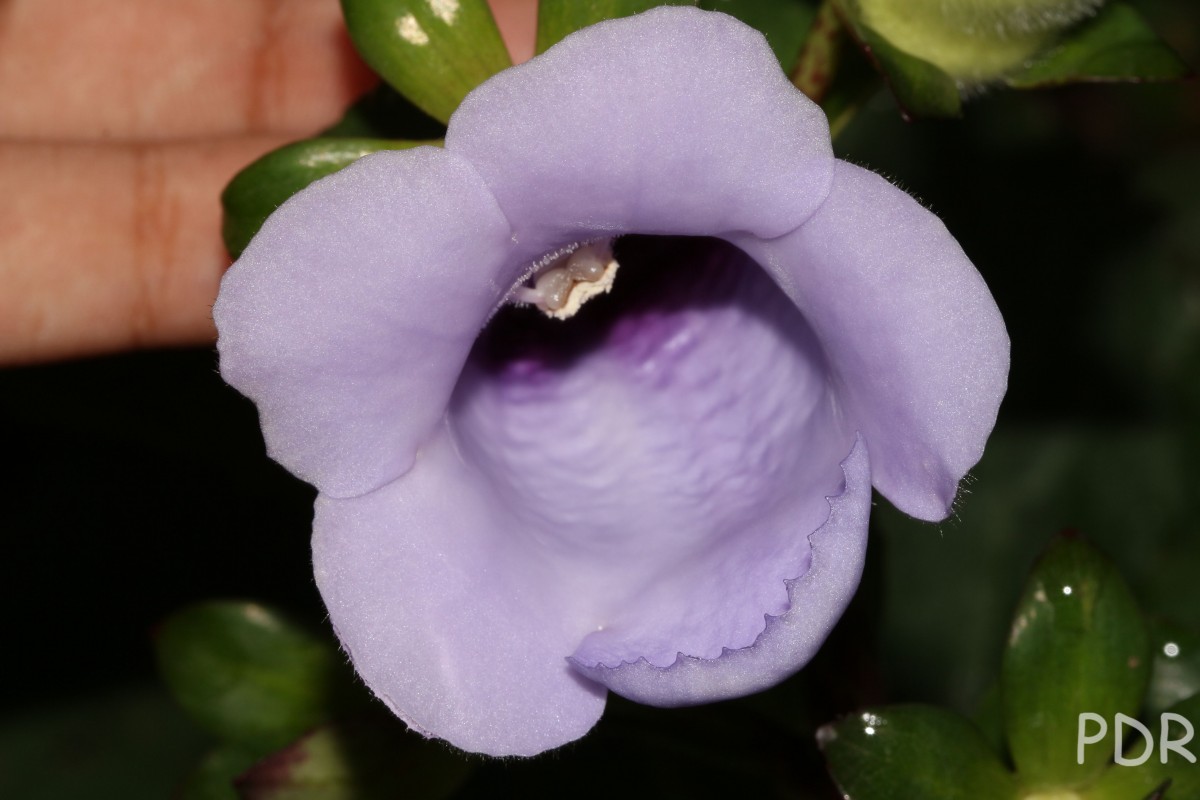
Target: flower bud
(974,41)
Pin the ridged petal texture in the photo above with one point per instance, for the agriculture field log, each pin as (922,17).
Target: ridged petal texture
(816,600)
(666,495)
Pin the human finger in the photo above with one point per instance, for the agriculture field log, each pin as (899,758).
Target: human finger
(110,247)
(517,21)
(78,70)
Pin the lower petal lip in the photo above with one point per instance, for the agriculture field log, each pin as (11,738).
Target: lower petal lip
(423,599)
(816,600)
(655,475)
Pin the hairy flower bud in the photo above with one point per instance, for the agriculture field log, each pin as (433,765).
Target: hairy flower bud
(973,40)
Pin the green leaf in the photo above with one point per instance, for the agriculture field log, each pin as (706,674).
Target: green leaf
(785,23)
(921,89)
(913,751)
(1078,644)
(363,760)
(559,18)
(259,189)
(1175,675)
(1115,45)
(1123,782)
(432,51)
(250,676)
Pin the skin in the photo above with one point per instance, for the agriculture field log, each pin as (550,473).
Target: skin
(118,132)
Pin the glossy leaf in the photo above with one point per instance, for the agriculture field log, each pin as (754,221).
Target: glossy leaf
(784,22)
(259,189)
(1077,644)
(559,18)
(248,675)
(921,89)
(913,751)
(1180,776)
(363,760)
(1175,675)
(1115,45)
(432,51)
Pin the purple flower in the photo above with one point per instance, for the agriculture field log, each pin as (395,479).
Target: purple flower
(666,495)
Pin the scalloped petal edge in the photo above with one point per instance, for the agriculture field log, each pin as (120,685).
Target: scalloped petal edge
(788,641)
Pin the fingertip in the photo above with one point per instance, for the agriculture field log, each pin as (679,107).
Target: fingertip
(517,21)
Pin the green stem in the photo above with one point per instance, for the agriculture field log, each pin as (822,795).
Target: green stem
(830,71)
(819,57)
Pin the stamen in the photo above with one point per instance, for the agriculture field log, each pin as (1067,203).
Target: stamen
(525,294)
(563,285)
(586,265)
(554,285)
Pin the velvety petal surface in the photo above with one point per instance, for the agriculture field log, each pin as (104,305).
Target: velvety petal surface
(672,121)
(915,343)
(348,317)
(448,615)
(816,601)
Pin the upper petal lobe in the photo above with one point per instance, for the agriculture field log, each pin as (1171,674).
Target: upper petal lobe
(348,317)
(674,121)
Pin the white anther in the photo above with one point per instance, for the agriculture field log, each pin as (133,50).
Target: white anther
(563,285)
(554,285)
(588,263)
